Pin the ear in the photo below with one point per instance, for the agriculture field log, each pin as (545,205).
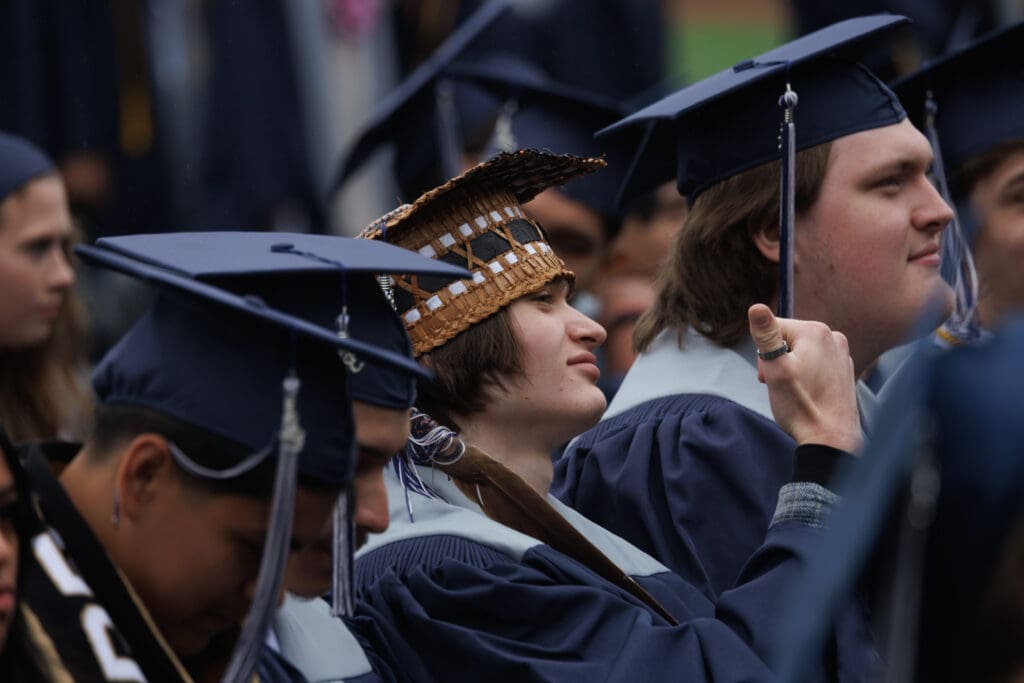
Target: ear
(146,468)
(766,239)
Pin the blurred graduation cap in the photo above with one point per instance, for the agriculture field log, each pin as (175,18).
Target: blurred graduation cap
(268,380)
(977,93)
(926,516)
(729,122)
(420,116)
(967,102)
(540,113)
(20,162)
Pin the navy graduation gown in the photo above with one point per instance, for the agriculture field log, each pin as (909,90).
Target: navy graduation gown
(456,596)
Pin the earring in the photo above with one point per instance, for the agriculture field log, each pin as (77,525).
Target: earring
(115,517)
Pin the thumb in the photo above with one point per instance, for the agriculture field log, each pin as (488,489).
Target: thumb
(764,328)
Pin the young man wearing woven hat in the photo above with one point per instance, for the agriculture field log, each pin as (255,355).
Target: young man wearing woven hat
(481,573)
(687,462)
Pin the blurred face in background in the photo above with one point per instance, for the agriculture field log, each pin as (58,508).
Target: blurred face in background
(997,202)
(35,274)
(575,232)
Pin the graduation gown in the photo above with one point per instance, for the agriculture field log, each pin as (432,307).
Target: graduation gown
(457,596)
(318,645)
(687,461)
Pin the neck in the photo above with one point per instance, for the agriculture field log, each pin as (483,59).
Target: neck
(529,458)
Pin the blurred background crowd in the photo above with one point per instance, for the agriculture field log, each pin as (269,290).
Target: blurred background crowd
(236,114)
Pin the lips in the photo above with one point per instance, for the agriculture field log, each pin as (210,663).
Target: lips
(926,252)
(588,362)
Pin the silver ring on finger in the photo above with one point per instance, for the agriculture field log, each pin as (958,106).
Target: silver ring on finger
(774,353)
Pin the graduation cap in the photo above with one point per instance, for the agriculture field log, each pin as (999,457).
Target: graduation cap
(796,96)
(976,95)
(20,162)
(928,509)
(352,268)
(477,220)
(215,355)
(967,102)
(419,116)
(540,113)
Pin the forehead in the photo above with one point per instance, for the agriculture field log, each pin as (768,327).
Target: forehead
(866,151)
(41,205)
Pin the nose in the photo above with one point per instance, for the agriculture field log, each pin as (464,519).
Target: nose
(62,275)
(934,214)
(371,509)
(585,330)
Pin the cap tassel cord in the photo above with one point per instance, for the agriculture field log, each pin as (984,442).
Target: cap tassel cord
(963,326)
(268,582)
(429,443)
(787,203)
(343,548)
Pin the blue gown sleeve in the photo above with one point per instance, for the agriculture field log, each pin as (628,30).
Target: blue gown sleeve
(690,479)
(544,618)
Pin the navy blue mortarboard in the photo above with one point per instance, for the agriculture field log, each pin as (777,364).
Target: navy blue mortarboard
(540,113)
(419,116)
(978,93)
(20,162)
(929,509)
(281,268)
(730,122)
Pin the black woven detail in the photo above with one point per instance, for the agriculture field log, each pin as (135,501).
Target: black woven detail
(485,247)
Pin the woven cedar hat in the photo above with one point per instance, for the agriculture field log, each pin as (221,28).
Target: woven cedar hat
(476,220)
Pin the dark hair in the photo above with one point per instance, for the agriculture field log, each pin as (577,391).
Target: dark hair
(963,179)
(465,367)
(715,271)
(42,391)
(115,425)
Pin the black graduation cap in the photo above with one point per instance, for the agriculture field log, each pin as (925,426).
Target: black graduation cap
(540,113)
(978,93)
(730,122)
(419,117)
(930,506)
(20,162)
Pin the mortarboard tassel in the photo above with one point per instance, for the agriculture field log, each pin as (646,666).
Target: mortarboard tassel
(787,203)
(429,443)
(291,439)
(343,548)
(504,139)
(962,327)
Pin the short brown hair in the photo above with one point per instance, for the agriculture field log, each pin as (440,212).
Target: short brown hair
(715,271)
(466,366)
(963,179)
